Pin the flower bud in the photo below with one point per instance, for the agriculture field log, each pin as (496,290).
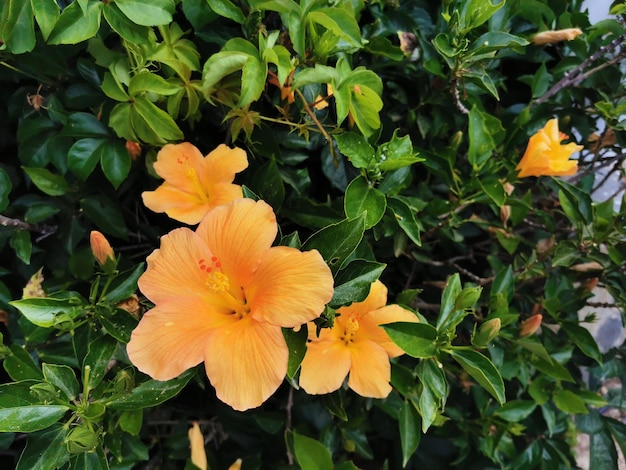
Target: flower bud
(530,325)
(101,248)
(198,453)
(467,298)
(487,332)
(131,305)
(505,213)
(81,439)
(236,465)
(134,149)
(546,37)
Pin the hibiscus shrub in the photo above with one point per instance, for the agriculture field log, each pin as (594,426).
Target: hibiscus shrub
(310,234)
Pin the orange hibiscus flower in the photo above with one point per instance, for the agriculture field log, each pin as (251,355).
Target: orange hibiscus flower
(355,345)
(195,184)
(546,156)
(221,296)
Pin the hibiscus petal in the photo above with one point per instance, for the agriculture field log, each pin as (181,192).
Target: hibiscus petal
(174,269)
(246,362)
(221,165)
(172,337)
(224,193)
(177,204)
(239,234)
(173,159)
(290,287)
(370,371)
(376,298)
(325,366)
(369,326)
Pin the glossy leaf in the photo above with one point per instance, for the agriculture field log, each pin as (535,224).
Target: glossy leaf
(63,378)
(515,411)
(19,27)
(415,339)
(147,12)
(84,156)
(29,418)
(47,182)
(448,302)
(356,148)
(311,454)
(115,161)
(482,370)
(362,198)
(74,25)
(43,311)
(45,449)
(409,424)
(296,343)
(353,282)
(20,365)
(97,359)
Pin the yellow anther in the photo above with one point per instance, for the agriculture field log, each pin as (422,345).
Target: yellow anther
(217,282)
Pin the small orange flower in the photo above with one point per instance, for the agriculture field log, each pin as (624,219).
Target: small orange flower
(530,325)
(355,345)
(195,184)
(546,156)
(101,248)
(222,294)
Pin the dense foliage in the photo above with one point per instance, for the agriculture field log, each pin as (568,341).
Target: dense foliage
(386,135)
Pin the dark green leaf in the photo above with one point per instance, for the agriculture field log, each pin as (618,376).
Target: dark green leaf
(405,216)
(45,449)
(115,161)
(150,393)
(83,156)
(124,285)
(268,184)
(296,343)
(119,325)
(356,148)
(52,185)
(63,378)
(5,189)
(29,418)
(583,339)
(415,339)
(131,421)
(97,359)
(575,202)
(433,377)
(484,133)
(85,125)
(22,245)
(482,370)
(515,411)
(337,241)
(448,302)
(20,365)
(106,215)
(396,153)
(409,424)
(352,283)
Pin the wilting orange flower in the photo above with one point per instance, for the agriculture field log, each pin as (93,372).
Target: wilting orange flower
(195,184)
(357,345)
(546,156)
(134,149)
(198,452)
(101,248)
(222,294)
(547,37)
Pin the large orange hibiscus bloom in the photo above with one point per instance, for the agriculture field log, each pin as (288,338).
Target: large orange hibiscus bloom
(355,345)
(546,156)
(195,184)
(221,295)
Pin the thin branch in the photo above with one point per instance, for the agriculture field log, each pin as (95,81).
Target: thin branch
(312,115)
(288,423)
(454,90)
(44,230)
(575,76)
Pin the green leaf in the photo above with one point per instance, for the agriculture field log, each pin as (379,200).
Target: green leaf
(493,41)
(476,12)
(85,125)
(482,370)
(362,198)
(416,339)
(339,22)
(296,343)
(83,156)
(152,124)
(268,184)
(337,241)
(97,359)
(106,215)
(18,30)
(405,217)
(5,189)
(46,13)
(22,245)
(115,161)
(147,12)
(45,449)
(353,282)
(396,153)
(575,202)
(515,411)
(20,365)
(583,339)
(124,285)
(227,9)
(569,402)
(127,29)
(448,302)
(113,88)
(355,147)
(485,131)
(119,325)
(29,418)
(63,378)
(73,26)
(617,430)
(550,367)
(433,377)
(52,185)
(149,82)
(150,393)
(311,454)
(131,421)
(409,424)
(44,311)
(602,452)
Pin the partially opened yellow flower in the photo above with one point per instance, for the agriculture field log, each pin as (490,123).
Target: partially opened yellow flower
(221,295)
(195,184)
(546,156)
(355,345)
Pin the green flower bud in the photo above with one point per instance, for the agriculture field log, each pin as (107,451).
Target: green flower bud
(81,439)
(486,333)
(467,298)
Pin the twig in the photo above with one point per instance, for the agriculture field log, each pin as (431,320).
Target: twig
(454,90)
(575,76)
(288,423)
(44,230)
(319,126)
(601,304)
